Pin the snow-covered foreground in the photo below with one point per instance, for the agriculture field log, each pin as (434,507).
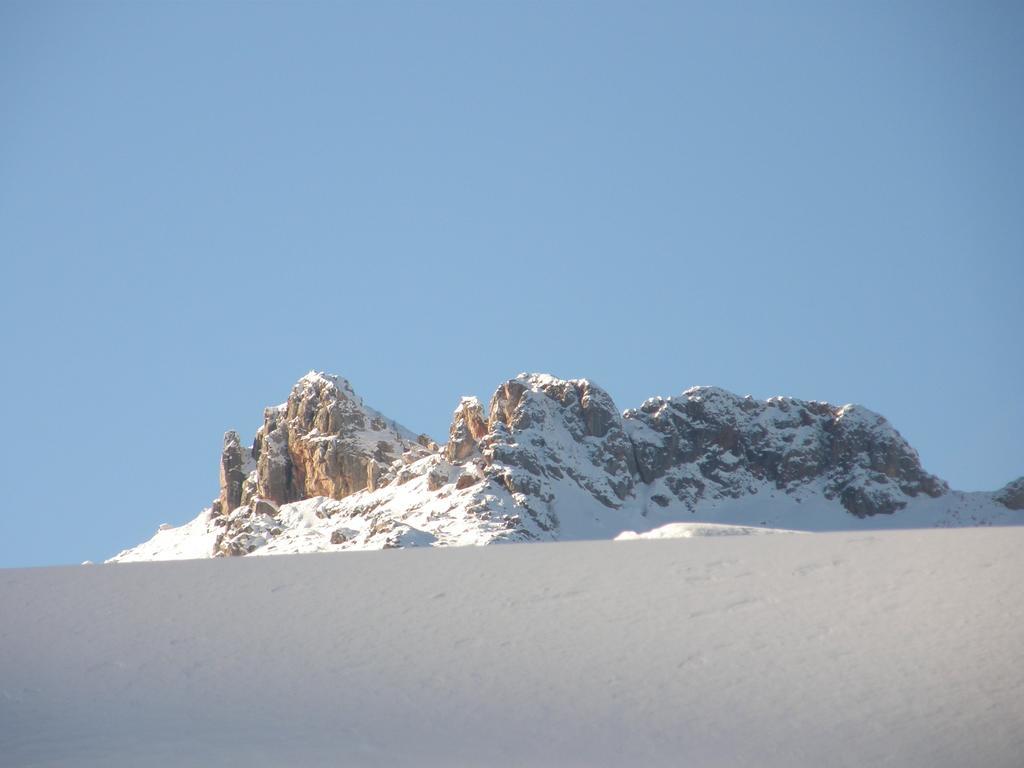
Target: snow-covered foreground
(902,648)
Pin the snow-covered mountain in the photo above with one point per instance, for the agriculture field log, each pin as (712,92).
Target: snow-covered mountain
(555,459)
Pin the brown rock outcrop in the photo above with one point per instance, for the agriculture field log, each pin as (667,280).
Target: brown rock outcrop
(468,427)
(324,442)
(233,470)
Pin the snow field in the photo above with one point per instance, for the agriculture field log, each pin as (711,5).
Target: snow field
(900,648)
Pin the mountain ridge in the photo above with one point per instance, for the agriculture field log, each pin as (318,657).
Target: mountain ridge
(555,459)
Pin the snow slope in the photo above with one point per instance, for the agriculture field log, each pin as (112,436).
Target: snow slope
(693,530)
(410,516)
(896,648)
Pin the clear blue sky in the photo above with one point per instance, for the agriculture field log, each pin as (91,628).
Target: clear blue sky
(199,202)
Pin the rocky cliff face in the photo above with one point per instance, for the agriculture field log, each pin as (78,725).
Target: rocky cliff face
(323,441)
(467,430)
(550,459)
(709,442)
(1011,495)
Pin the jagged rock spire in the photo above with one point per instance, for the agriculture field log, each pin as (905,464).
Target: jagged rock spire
(468,428)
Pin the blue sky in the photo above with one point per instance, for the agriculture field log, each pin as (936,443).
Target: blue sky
(199,202)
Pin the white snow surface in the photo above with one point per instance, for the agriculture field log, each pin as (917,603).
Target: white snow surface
(882,648)
(691,530)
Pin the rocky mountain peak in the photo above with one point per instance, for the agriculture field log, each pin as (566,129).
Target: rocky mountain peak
(468,428)
(1011,495)
(544,430)
(322,441)
(710,442)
